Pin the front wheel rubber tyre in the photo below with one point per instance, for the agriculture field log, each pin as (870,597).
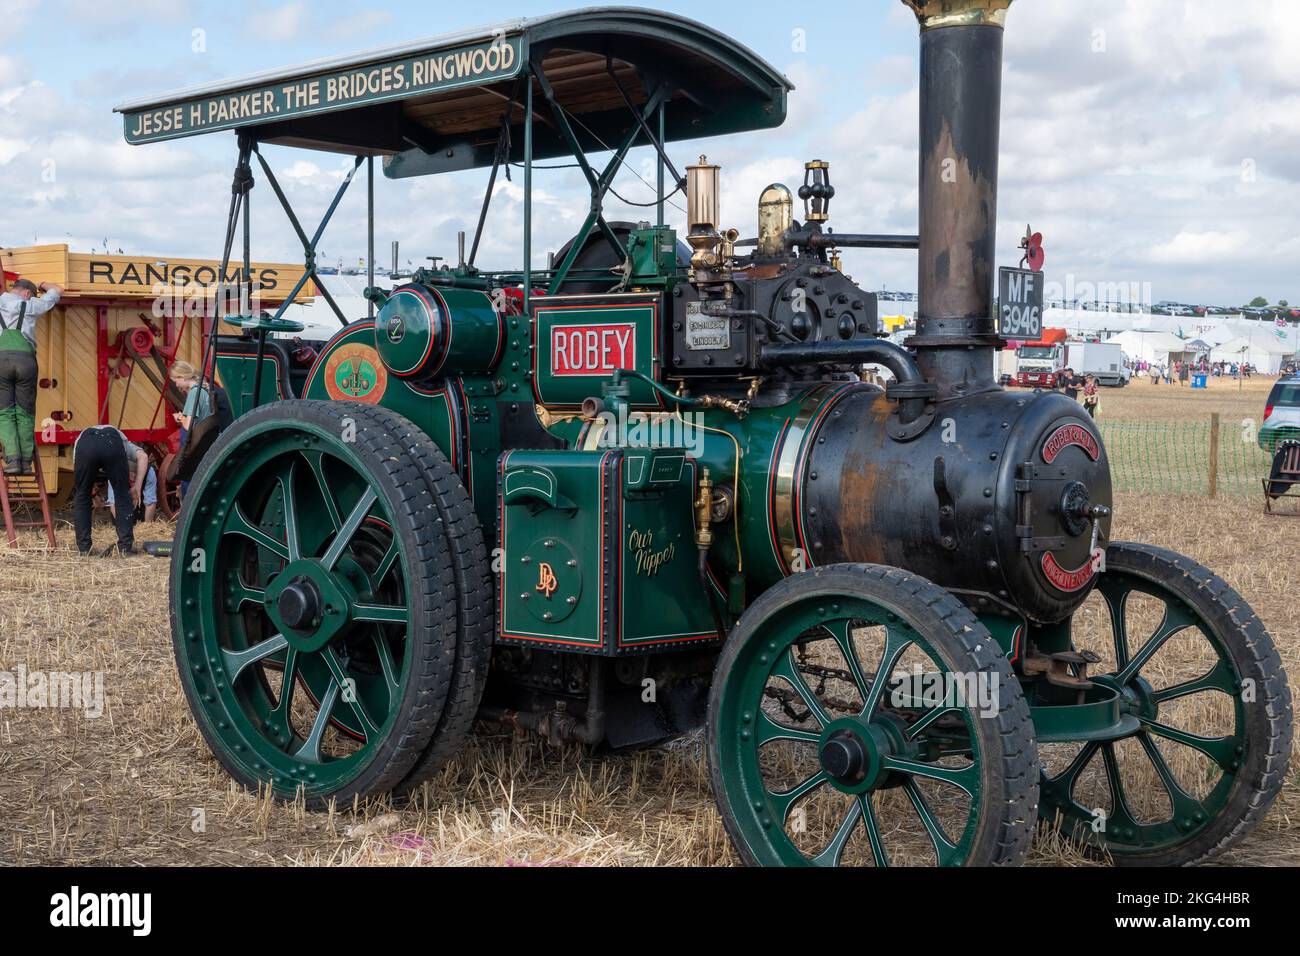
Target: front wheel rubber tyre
(861,715)
(309,593)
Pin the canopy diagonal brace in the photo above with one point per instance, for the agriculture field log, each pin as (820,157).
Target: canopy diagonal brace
(656,141)
(308,245)
(601,183)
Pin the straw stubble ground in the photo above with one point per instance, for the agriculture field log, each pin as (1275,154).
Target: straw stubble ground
(133,786)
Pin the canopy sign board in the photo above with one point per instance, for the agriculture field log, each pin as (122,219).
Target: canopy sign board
(498,58)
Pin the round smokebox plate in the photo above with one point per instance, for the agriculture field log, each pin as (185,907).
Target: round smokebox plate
(409,332)
(552,579)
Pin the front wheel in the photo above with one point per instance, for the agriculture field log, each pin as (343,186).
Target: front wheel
(860,715)
(1197,668)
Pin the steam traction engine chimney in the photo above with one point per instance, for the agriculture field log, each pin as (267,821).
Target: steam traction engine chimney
(961,92)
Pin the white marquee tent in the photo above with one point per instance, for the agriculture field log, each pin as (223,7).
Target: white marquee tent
(1265,352)
(1155,347)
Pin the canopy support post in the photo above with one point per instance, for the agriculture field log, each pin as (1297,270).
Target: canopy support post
(370,234)
(528,200)
(659,177)
(239,189)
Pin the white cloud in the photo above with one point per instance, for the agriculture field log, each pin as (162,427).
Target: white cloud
(14,14)
(284,23)
(1202,248)
(359,23)
(11,148)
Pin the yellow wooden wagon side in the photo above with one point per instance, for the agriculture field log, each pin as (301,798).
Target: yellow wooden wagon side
(104,351)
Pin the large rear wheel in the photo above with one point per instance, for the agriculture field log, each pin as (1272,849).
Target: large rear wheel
(310,586)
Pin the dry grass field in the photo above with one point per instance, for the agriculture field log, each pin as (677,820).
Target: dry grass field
(132,786)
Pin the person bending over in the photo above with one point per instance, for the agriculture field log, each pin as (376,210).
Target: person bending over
(104,453)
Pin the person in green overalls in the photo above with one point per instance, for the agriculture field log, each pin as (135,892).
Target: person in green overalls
(19,309)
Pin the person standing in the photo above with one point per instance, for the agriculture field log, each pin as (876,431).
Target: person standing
(1091,396)
(198,400)
(19,310)
(198,403)
(102,452)
(1069,384)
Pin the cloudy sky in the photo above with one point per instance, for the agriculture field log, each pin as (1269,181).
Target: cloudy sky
(1151,141)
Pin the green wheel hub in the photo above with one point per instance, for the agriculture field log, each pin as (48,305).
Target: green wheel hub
(295,596)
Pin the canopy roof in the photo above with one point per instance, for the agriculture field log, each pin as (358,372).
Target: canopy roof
(438,104)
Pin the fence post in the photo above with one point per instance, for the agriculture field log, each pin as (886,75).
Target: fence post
(1214,454)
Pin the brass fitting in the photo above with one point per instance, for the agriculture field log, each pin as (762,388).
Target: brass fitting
(729,245)
(704,511)
(702,213)
(954,13)
(738,408)
(775,217)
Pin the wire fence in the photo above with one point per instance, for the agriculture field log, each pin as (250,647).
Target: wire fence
(1205,457)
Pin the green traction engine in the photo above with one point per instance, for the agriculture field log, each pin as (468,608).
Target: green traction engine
(650,490)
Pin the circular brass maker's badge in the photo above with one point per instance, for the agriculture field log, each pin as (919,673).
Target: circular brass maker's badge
(354,373)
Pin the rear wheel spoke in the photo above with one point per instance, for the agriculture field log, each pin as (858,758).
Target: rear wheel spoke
(239,661)
(386,663)
(930,717)
(768,729)
(289,496)
(349,528)
(1068,777)
(1115,597)
(316,461)
(288,679)
(385,565)
(240,594)
(310,751)
(788,668)
(1120,811)
(842,632)
(380,613)
(238,524)
(351,693)
(1183,803)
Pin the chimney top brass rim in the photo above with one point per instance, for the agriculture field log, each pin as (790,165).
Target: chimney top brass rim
(932,14)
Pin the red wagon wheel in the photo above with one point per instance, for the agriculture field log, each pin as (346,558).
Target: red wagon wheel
(169,492)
